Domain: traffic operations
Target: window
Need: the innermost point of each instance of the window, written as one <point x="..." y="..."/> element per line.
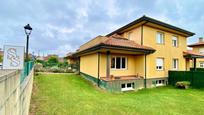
<point x="160" y="38"/>
<point x="129" y="35"/>
<point x="175" y="41"/>
<point x="113" y="63"/>
<point x="175" y="64"/>
<point x="127" y="86"/>
<point x="123" y="86"/>
<point x="159" y="63"/>
<point x="201" y="64"/>
<point x="201" y="50"/>
<point x="118" y="62"/>
<point x="159" y="82"/>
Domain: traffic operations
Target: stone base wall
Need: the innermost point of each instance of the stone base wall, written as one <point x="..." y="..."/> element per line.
<point x="115" y="86"/>
<point x="152" y="82"/>
<point x="15" y="96"/>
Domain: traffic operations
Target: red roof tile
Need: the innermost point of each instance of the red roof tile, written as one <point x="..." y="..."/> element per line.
<point x="196" y="44"/>
<point x="190" y="52"/>
<point x="114" y="40"/>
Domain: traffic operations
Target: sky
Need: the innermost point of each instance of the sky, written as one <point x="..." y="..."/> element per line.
<point x="61" y="26"/>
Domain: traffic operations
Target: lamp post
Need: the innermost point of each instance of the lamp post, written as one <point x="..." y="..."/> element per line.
<point x="28" y="30"/>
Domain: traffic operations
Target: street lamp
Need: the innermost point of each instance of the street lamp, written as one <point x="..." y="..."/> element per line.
<point x="28" y="30"/>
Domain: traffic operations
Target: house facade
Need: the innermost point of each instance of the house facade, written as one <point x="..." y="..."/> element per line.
<point x="198" y="48"/>
<point x="135" y="56"/>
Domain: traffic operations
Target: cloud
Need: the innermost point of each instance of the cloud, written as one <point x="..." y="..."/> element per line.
<point x="62" y="26"/>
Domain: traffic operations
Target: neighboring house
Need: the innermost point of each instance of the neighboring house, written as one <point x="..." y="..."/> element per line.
<point x="135" y="56"/>
<point x="1" y="53"/>
<point x="72" y="61"/>
<point x="70" y="58"/>
<point x="50" y="55"/>
<point x="39" y="57"/>
<point x="198" y="48"/>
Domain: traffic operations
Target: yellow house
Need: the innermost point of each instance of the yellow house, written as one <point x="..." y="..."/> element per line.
<point x="199" y="49"/>
<point x="137" y="55"/>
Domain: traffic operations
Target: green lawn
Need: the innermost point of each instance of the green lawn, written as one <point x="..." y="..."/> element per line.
<point x="68" y="94"/>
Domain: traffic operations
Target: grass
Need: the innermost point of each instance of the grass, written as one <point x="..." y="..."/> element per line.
<point x="69" y="94"/>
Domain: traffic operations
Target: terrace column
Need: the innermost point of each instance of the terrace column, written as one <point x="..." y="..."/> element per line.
<point x="194" y="64"/>
<point x="108" y="64"/>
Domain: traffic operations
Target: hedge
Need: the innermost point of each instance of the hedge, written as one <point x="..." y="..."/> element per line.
<point x="196" y="78"/>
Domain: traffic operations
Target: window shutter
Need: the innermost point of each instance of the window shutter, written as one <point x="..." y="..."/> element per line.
<point x="159" y="62"/>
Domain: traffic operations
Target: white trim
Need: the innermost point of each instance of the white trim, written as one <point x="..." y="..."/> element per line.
<point x="127" y="88"/>
<point x="160" y="84"/>
<point x="201" y="50"/>
<point x="120" y="63"/>
<point x="158" y="64"/>
<point x="160" y="38"/>
<point x="175" y="38"/>
<point x="177" y="64"/>
<point x="201" y="63"/>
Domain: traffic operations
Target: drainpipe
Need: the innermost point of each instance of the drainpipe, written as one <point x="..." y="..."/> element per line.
<point x="99" y="54"/>
<point x="145" y="80"/>
<point x="142" y="34"/>
<point x="108" y="64"/>
<point x="79" y="64"/>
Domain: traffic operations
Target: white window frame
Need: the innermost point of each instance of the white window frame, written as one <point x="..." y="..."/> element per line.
<point x="127" y="88"/>
<point x="175" y="40"/>
<point x="201" y="64"/>
<point x="160" y="84"/>
<point x="201" y="50"/>
<point x="177" y="64"/>
<point x="129" y="35"/>
<point x="160" y="38"/>
<point x="120" y="63"/>
<point x="157" y="64"/>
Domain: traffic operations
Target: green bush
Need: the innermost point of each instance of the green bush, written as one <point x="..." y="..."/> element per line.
<point x="55" y="69"/>
<point x="183" y="84"/>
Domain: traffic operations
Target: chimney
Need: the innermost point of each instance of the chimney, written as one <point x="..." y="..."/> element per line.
<point x="201" y="39"/>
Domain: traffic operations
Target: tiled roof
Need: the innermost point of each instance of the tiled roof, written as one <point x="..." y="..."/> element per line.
<point x="114" y="40"/>
<point x="196" y="44"/>
<point x="69" y="55"/>
<point x="190" y="52"/>
<point x="146" y="19"/>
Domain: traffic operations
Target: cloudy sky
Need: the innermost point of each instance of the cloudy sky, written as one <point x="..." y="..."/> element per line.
<point x="61" y="26"/>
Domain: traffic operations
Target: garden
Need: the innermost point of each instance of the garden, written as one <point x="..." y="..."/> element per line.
<point x="52" y="64"/>
<point x="69" y="94"/>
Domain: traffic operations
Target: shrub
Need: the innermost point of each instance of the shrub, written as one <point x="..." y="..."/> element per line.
<point x="183" y="84"/>
<point x="55" y="69"/>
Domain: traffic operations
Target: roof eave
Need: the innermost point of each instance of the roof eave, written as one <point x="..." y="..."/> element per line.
<point x="151" y="20"/>
<point x="105" y="46"/>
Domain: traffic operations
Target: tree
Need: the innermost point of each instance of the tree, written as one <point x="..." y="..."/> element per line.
<point x="1" y="58"/>
<point x="63" y="64"/>
<point x="52" y="61"/>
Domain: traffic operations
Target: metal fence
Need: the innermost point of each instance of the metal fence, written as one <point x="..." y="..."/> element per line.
<point x="196" y="69"/>
<point x="195" y="77"/>
<point x="26" y="70"/>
